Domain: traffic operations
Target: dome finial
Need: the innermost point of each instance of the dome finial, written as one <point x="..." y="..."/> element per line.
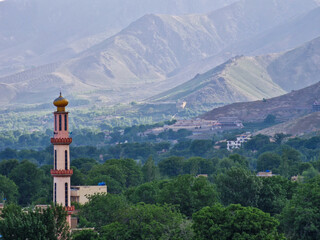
<point x="60" y="103"/>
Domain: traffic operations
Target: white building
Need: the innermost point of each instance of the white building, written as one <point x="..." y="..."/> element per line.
<point x="238" y="143"/>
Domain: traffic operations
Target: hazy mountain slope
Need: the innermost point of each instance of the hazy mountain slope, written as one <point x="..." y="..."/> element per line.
<point x="154" y="47"/>
<point x="297" y="68"/>
<point x="34" y="32"/>
<point x="288" y="106"/>
<point x="162" y="48"/>
<point x="251" y="78"/>
<point x="299" y="126"/>
<point x="286" y="36"/>
<point x="247" y="18"/>
<point x="239" y="79"/>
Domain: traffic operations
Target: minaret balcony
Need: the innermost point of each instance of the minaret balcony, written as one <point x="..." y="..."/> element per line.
<point x="61" y="141"/>
<point x="70" y="209"/>
<point x="61" y="172"/>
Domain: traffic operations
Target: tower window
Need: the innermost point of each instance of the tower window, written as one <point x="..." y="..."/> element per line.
<point x="55" y="193"/>
<point x="55" y="122"/>
<point x="66" y="159"/>
<point x="65" y="122"/>
<point x="66" y="194"/>
<point x="55" y="159"/>
<point x="60" y="123"/>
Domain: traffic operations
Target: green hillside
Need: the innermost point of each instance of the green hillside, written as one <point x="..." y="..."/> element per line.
<point x="239" y="79"/>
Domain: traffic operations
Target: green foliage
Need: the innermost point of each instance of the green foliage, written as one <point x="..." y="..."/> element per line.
<point x="171" y="166"/>
<point x="234" y="222"/>
<point x="198" y="165"/>
<point x="147" y="193"/>
<point x="31" y="181"/>
<point x="102" y="209"/>
<point x="8" y="190"/>
<point x="6" y="166"/>
<point x="310" y="173"/>
<point x="200" y="147"/>
<point x="84" y="164"/>
<point x="144" y="221"/>
<point x="268" y="161"/>
<point x="87" y="234"/>
<point x="257" y="142"/>
<point x="274" y="194"/>
<point x="290" y="159"/>
<point x="239" y="185"/>
<point x="189" y="193"/>
<point x="270" y="119"/>
<point x="38" y="224"/>
<point x="118" y="173"/>
<point x="149" y="170"/>
<point x="300" y="219"/>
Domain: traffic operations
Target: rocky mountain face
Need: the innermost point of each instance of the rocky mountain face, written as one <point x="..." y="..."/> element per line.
<point x="153" y="54"/>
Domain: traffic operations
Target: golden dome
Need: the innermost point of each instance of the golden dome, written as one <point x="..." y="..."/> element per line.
<point x="60" y="103"/>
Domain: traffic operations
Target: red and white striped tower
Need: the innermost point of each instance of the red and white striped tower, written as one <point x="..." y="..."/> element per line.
<point x="61" y="171"/>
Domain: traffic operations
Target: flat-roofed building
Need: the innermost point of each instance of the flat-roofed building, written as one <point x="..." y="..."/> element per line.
<point x="80" y="194"/>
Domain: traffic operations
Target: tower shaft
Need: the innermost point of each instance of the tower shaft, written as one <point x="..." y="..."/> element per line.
<point x="61" y="171"/>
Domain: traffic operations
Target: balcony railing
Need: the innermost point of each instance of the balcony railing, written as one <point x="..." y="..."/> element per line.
<point x="70" y="208"/>
<point x="61" y="172"/>
<point x="61" y="141"/>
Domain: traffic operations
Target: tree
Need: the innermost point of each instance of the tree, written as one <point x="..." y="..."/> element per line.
<point x="278" y="137"/>
<point x="268" y="161"/>
<point x="270" y="119"/>
<point x="274" y="194"/>
<point x="146" y="221"/>
<point x="102" y="209"/>
<point x="84" y="164"/>
<point x="189" y="193"/>
<point x="77" y="178"/>
<point x="118" y="173"/>
<point x="300" y="219"/>
<point x="87" y="234"/>
<point x="31" y="182"/>
<point x="171" y="166"/>
<point x="200" y="147"/>
<point x="239" y="185"/>
<point x="149" y="170"/>
<point x="198" y="165"/>
<point x="8" y="190"/>
<point x="234" y="222"/>
<point x="147" y="193"/>
<point x="257" y="142"/>
<point x="6" y="166"/>
<point x="290" y="159"/>
<point x="40" y="224"/>
<point x="310" y="173"/>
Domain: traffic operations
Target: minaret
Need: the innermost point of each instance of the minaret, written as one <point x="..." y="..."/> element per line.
<point x="61" y="171"/>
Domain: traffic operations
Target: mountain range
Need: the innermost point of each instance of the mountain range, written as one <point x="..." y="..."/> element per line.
<point x="157" y="52"/>
<point x="250" y="78"/>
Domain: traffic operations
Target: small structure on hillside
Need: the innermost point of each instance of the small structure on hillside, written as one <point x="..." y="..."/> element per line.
<point x="230" y="122"/>
<point x="238" y="143"/>
<point x="267" y="173"/>
<point x="316" y="106"/>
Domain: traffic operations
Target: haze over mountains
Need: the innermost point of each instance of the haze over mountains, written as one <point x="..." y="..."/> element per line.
<point x="36" y="32"/>
<point x="251" y="78"/>
<point x="157" y="52"/>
